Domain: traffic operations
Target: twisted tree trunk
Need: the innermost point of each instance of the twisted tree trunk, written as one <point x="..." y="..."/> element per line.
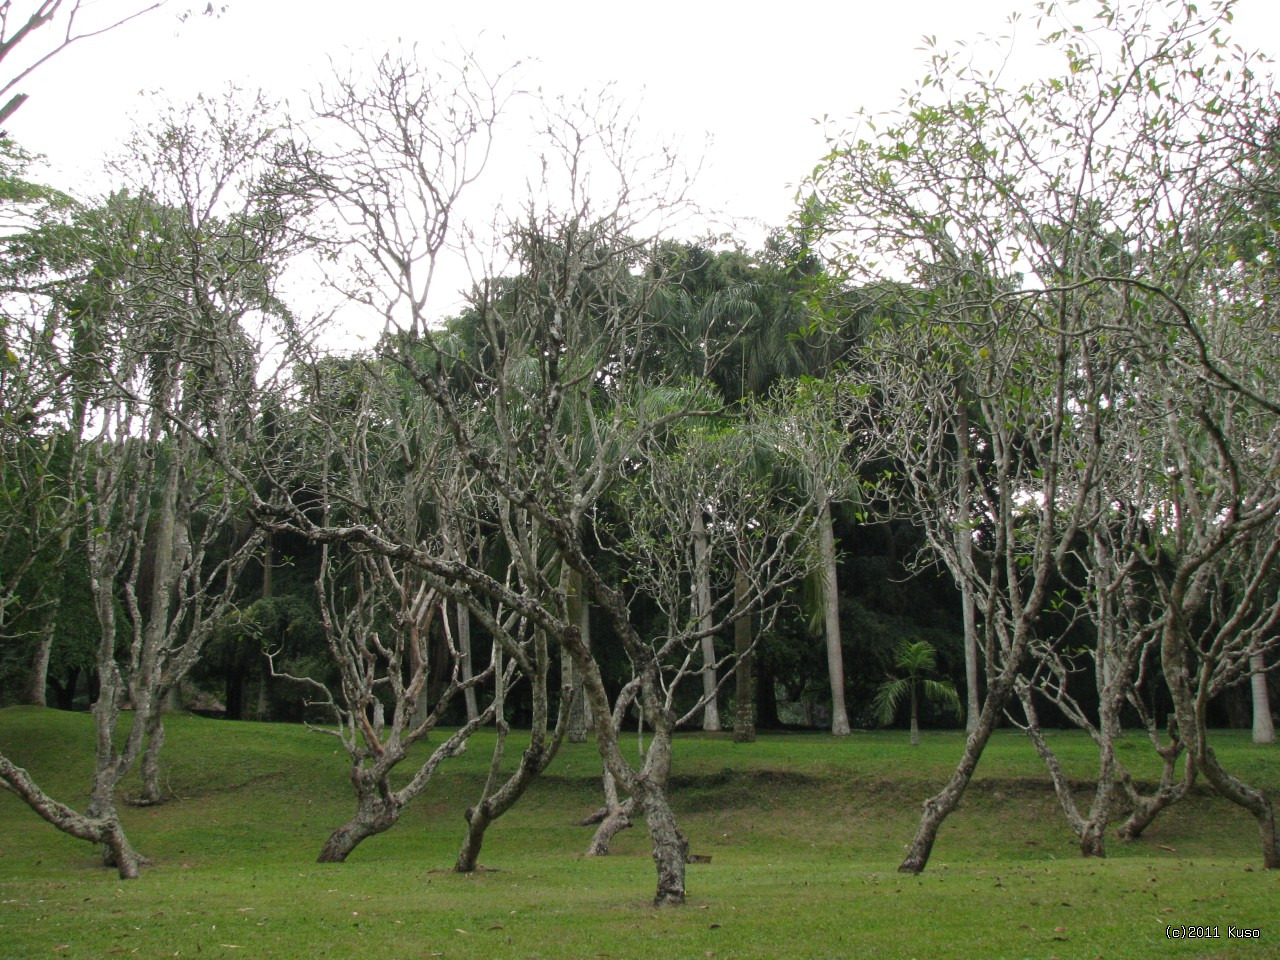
<point x="1190" y="710"/>
<point x="102" y="827"/>
<point x="377" y="811"/>
<point x="533" y="761"/>
<point x="938" y="807"/>
<point x="614" y="817"/>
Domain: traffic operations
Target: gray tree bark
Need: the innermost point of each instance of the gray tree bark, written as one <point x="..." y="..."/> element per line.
<point x="1090" y="829"/>
<point x="702" y="615"/>
<point x="963" y="534"/>
<point x="831" y="619"/>
<point x="938" y="807"/>
<point x="613" y="818"/>
<point x="37" y="685"/>
<point x="580" y="614"/>
<point x="1174" y="646"/>
<point x="1264" y="728"/>
<point x="104" y="829"/>
<point x="744" y="713"/>
<point x="544" y="743"/>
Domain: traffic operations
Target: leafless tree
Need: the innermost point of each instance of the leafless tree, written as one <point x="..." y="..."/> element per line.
<point x="544" y="387"/>
<point x="171" y="275"/>
<point x="33" y="33"/>
<point x="1059" y="237"/>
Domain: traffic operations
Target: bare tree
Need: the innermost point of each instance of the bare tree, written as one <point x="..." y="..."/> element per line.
<point x="550" y="398"/>
<point x="42" y="29"/>
<point x="155" y="517"/>
<point x="1059" y="236"/>
<point x="368" y="447"/>
<point x="166" y="279"/>
<point x="378" y="628"/>
<point x="1213" y="567"/>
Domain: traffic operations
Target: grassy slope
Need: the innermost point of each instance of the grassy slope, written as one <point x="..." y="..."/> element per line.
<point x="804" y="832"/>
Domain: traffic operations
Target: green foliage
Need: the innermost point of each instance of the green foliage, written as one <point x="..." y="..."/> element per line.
<point x="915" y="660"/>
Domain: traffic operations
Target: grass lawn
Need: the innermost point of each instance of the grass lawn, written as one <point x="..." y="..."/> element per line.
<point x="804" y="832"/>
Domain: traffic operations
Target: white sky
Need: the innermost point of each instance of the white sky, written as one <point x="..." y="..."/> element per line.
<point x="752" y="77"/>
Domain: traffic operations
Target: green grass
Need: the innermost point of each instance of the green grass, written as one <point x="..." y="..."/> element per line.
<point x="804" y="831"/>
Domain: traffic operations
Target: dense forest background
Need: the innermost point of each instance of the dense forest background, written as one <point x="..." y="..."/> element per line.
<point x="987" y="434"/>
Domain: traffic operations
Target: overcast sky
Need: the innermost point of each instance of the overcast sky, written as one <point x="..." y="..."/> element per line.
<point x="751" y="77"/>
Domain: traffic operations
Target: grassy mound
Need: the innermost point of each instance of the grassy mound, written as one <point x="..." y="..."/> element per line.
<point x="804" y="833"/>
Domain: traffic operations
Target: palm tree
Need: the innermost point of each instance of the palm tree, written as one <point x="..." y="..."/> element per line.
<point x="810" y="420"/>
<point x="915" y="659"/>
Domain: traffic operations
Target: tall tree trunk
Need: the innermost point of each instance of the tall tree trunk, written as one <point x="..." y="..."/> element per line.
<point x="1251" y="798"/>
<point x="670" y="848"/>
<point x="171" y="549"/>
<point x="648" y="787"/>
<point x="464" y="655"/>
<point x="831" y="616"/>
<point x="963" y="534"/>
<point x="37" y="685"/>
<point x="702" y="615"/>
<point x="532" y="762"/>
<point x="268" y="564"/>
<point x="262" y="713"/>
<point x="1264" y="729"/>
<point x="544" y="744"/>
<point x="972" y="702"/>
<point x="1090" y="830"/>
<point x="463" y="638"/>
<point x="744" y="714"/>
<point x="580" y="614"/>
